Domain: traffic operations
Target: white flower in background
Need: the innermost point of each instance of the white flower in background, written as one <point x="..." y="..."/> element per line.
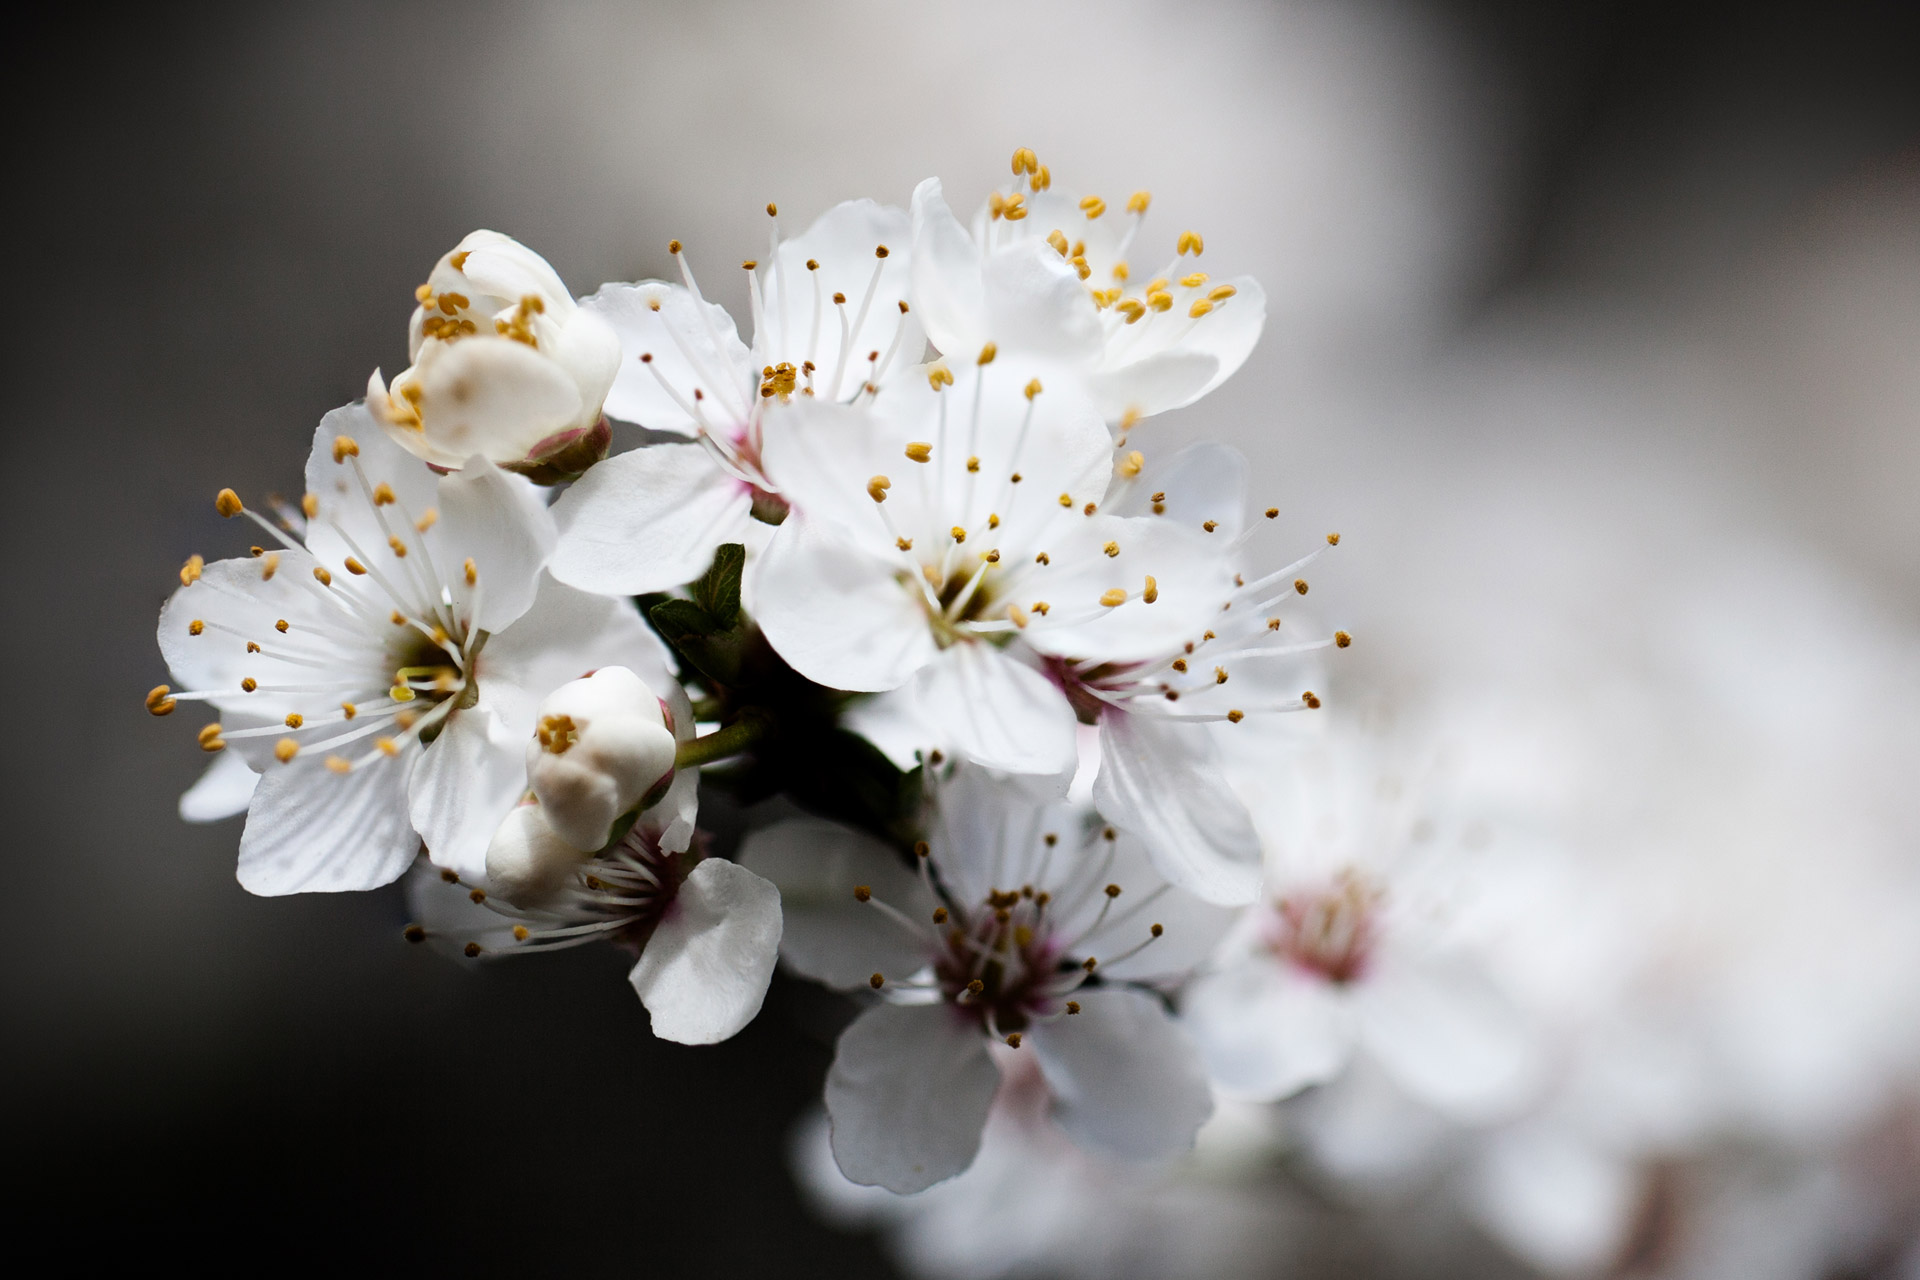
<point x="1365" y="944"/>
<point x="705" y="932"/>
<point x="1047" y="275"/>
<point x="381" y="673"/>
<point x="831" y="322"/>
<point x="1102" y="591"/>
<point x="504" y="365"/>
<point x="602" y="743"/>
<point x="1027" y="929"/>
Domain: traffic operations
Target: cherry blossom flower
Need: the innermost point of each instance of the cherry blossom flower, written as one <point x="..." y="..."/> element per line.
<point x="378" y="664"/>
<point x="504" y="365"/>
<point x="1028" y="928"/>
<point x="705" y="932"/>
<point x="1047" y="274"/>
<point x="831" y="322"/>
<point x="604" y="741"/>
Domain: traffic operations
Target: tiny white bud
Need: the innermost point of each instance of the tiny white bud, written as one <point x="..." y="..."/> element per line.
<point x="600" y="745"/>
<point x="527" y="859"/>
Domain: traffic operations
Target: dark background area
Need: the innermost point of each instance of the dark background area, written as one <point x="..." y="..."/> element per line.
<point x="216" y="218"/>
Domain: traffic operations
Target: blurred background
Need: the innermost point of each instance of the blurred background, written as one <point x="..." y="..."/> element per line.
<point x="1595" y="327"/>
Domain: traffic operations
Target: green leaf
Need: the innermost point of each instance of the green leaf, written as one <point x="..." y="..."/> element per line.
<point x="718" y="590"/>
<point x="713" y="649"/>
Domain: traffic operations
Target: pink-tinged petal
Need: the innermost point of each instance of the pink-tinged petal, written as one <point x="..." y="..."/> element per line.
<point x="499" y="523"/>
<point x="224" y="790"/>
<point x="1162" y="781"/>
<point x="310" y="830"/>
<point x="693" y="345"/>
<point x="1265" y="1033"/>
<point x="831" y="936"/>
<point x="706" y="968"/>
<point x="1125" y="1078"/>
<point x="949" y="288"/>
<point x="841" y="617"/>
<point x="1447" y="1035"/>
<point x="908" y="1096"/>
<point x="647" y="520"/>
<point x="997" y="712"/>
<point x="466" y="782"/>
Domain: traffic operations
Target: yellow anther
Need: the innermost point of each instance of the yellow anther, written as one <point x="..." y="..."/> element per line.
<point x="748" y="265"/>
<point x="310" y="505"/>
<point x="1131" y="308"/>
<point x="773" y="210"/>
<point x="862" y="893"/>
<point x="1024" y="161"/>
<point x="339" y="764"/>
<point x="992" y="557"/>
<point x="227" y="503"/>
<point x="1300" y="585"/>
<point x="348" y="710"/>
<point x="919" y="451"/>
<point x="1131" y="464"/>
<point x="1152" y="591"/>
<point x="1092" y="206"/>
<point x="881" y="251"/>
<point x="1333" y="539"/>
<point x="387" y="746"/>
<point x="993" y="520"/>
<point x="157" y="700"/>
<point x="1219" y="675"/>
<point x="987" y="353"/>
<point x="1342" y="639"/>
<point x="473" y="573"/>
<point x="973" y="463"/>
<point x="399" y="547"/>
<point x="269" y="565"/>
<point x="249" y="684"/>
<point x="252" y="647"/>
<point x="424" y="295"/>
<point x="285" y="750"/>
<point x="1209" y="525"/>
<point x="1015" y="209"/>
<point x="1013" y="1039"/>
<point x="195" y="627"/>
<point x="398" y="618"/>
<point x="190" y="571"/>
<point x="905" y="544"/>
<point x="345" y="447"/>
<point x="813" y="264"/>
<point x="428" y="519"/>
<point x="209" y="738"/>
<point x="1058" y="241"/>
<point x="1191" y="243"/>
<point x="521" y="933"/>
<point x="939" y="376"/>
<point x="877" y="981"/>
<point x="1041" y="180"/>
<point x="1193" y="281"/>
<point x="1272" y="512"/>
<point x="1160" y="300"/>
<point x="1221" y="292"/>
<point x="440" y="635"/>
<point x="1066" y="500"/>
<point x="1033" y="389"/>
<point x="959" y="534"/>
<point x="1180" y="665"/>
<point x="1311" y="699"/>
<point x="1090" y="508"/>
<point x="400" y="693"/>
<point x="877" y="488"/>
<point x="295" y="719"/>
<point x="1112" y="549"/>
<point x="939" y="915"/>
<point x="1017" y="616"/>
<point x="1138" y="202"/>
<point x="1113" y="597"/>
<point x="459" y="260"/>
<point x="1199" y="308"/>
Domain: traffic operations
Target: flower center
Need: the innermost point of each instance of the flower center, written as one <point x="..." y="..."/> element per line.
<point x="1330" y="932"/>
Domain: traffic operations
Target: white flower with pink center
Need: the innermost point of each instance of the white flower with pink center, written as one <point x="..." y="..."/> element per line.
<point x="1026" y="927"/>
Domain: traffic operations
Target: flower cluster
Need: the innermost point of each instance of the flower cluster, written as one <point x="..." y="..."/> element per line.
<point x="908" y="564"/>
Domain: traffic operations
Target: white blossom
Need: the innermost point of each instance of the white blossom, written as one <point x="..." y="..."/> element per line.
<point x="504" y="365"/>
<point x="602" y="743"/>
<point x="1027" y="928"/>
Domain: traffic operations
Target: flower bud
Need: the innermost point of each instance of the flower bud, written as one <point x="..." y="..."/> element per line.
<point x="527" y="860"/>
<point x="601" y="744"/>
<point x="505" y="365"/>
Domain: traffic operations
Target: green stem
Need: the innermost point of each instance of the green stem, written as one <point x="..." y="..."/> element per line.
<point x="724" y="743"/>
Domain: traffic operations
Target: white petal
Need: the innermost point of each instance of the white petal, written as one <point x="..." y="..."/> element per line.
<point x="499" y="522"/>
<point x="706" y="968"/>
<point x="348" y="523"/>
<point x="487" y="395"/>
<point x="892" y="722"/>
<point x="1125" y="1079"/>
<point x="1192" y="576"/>
<point x="1201" y="482"/>
<point x="694" y="345"/>
<point x="647" y="520"/>
<point x="225" y="789"/>
<point x="832" y="937"/>
<point x="1152" y="384"/>
<point x="502" y="267"/>
<point x="997" y="712"/>
<point x="842" y="242"/>
<point x="949" y="288"/>
<point x="566" y="634"/>
<point x="1266" y="1034"/>
<point x="908" y="1096"/>
<point x="310" y="830"/>
<point x="1037" y="303"/>
<point x="1554" y="1199"/>
<point x="1162" y="781"/>
<point x="466" y="783"/>
<point x="839" y="616"/>
<point x="1446" y="1035"/>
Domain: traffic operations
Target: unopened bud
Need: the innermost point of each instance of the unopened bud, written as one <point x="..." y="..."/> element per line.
<point x="528" y="860"/>
<point x="601" y="744"/>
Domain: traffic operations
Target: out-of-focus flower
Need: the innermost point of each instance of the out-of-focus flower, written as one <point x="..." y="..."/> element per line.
<point x="831" y="322"/>
<point x="1358" y="945"/>
<point x="1046" y="274"/>
<point x="379" y="668"/>
<point x="1028" y="929"/>
<point x="505" y="365"/>
<point x="601" y="744"/>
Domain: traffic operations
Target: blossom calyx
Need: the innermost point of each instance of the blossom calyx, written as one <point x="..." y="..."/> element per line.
<point x="601" y="746"/>
<point x="504" y="364"/>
